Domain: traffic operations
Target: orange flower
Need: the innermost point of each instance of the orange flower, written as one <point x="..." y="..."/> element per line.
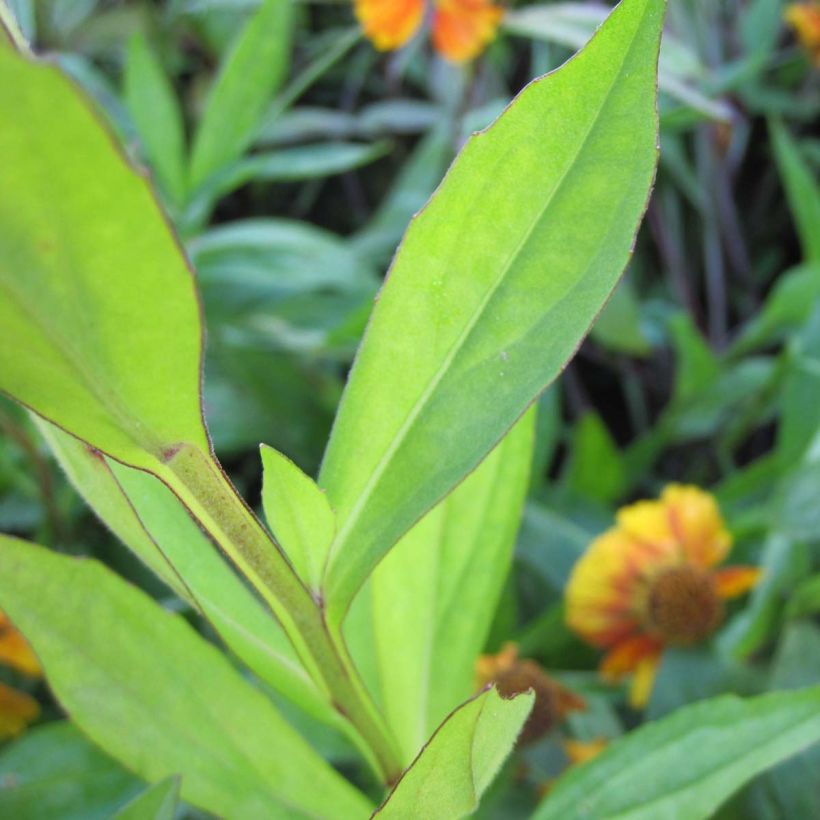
<point x="804" y="18"/>
<point x="461" y="29"/>
<point x="651" y="582"/>
<point x="513" y="675"/>
<point x="14" y="651"/>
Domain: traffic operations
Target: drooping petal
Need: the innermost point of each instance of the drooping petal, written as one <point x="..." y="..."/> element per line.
<point x="697" y="523"/>
<point x="389" y="24"/>
<point x="628" y="656"/>
<point x="463" y="28"/>
<point x="732" y="582"/>
<point x="17" y="710"/>
<point x="643" y="681"/>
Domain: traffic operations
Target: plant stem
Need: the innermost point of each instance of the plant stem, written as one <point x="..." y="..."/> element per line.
<point x="199" y="482"/>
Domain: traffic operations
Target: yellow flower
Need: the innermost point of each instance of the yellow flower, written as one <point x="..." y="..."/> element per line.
<point x="804" y="18"/>
<point x="513" y="675"/>
<point x="651" y="582"/>
<point x="461" y="29"/>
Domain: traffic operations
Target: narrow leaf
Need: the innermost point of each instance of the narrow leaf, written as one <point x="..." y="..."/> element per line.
<point x="802" y="190"/>
<point x="493" y="288"/>
<point x="298" y="513"/>
<point x="452" y="771"/>
<point x="251" y="73"/>
<point x="150" y="98"/>
<point x="687" y="764"/>
<point x="152" y="693"/>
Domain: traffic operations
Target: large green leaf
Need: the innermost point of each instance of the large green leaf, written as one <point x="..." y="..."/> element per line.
<point x="145" y="687"/>
<point x="429" y="605"/>
<point x="493" y="288"/>
<point x="104" y="317"/>
<point x="686" y="765"/>
<point x="251" y="73"/>
<point x="461" y="759"/>
<point x="54" y="771"/>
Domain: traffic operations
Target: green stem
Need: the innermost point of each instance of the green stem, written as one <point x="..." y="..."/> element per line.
<point x="200" y="484"/>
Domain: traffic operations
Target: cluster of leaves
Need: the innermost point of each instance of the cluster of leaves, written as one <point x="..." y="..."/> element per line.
<point x="289" y="158"/>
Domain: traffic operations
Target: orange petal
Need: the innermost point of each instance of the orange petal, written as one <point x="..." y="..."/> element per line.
<point x="698" y="526"/>
<point x="732" y="582"/>
<point x="643" y="681"/>
<point x="17" y="710"/>
<point x="628" y="655"/>
<point x="389" y="24"/>
<point x="463" y="28"/>
<point x="15" y="652"/>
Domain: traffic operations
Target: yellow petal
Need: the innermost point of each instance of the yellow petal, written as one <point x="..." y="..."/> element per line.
<point x="648" y="522"/>
<point x="643" y="682"/>
<point x="697" y="523"/>
<point x="389" y="24"/>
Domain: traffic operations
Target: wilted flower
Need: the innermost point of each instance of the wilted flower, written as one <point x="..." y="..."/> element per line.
<point x="460" y="29"/>
<point x="650" y="582"/>
<point x="804" y="18"/>
<point x="17" y="709"/>
<point x="513" y="675"/>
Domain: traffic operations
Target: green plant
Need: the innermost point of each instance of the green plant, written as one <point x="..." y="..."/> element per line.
<point x="365" y="614"/>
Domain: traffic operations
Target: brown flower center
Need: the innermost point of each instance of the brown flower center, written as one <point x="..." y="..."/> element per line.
<point x="683" y="606"/>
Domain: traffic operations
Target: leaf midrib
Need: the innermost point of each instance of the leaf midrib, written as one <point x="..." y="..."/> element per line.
<point x="439" y="375"/>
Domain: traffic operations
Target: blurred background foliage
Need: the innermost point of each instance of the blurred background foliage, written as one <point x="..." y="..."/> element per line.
<point x="703" y="368"/>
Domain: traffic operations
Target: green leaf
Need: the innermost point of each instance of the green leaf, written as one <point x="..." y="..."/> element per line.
<point x="595" y="467"/>
<point x="431" y="601"/>
<point x="802" y="190"/>
<point x="152" y="693"/>
<point x="53" y="771"/>
<point x="298" y="513"/>
<point x="158" y="802"/>
<point x="250" y="74"/>
<point x="490" y="294"/>
<point x="786" y="309"/>
<point x="105" y="318"/>
<point x="150" y="98"/>
<point x="460" y="760"/>
<point x="687" y="764"/>
<point x="618" y="328"/>
<point x="304" y="162"/>
<point x="149" y="520"/>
